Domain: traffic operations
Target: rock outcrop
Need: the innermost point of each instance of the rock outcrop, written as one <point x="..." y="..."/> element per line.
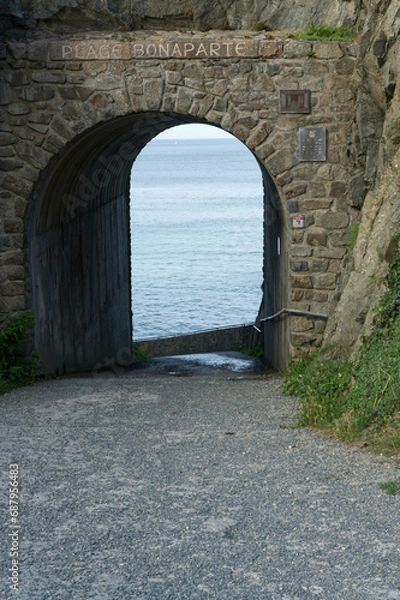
<point x="377" y="177"/>
<point x="70" y="15"/>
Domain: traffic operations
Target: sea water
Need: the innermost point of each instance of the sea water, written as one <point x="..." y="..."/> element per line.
<point x="196" y="235"/>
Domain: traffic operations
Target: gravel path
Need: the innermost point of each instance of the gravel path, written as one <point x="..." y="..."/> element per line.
<point x="189" y="485"/>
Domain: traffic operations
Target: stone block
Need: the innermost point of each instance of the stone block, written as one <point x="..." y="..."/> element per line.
<point x="16" y="303"/>
<point x="5" y="243"/>
<point x="17" y="78"/>
<point x="15" y="273"/>
<point x="336" y="253"/>
<point x="338" y="189"/>
<point x="53" y="143"/>
<point x="13" y="257"/>
<point x="297" y="237"/>
<point x="38" y="127"/>
<point x="48" y="77"/>
<point x="332" y="220"/>
<point x="184" y="101"/>
<point x="292" y="207"/>
<point x="301" y="251"/>
<point x="6" y="151"/>
<point x="296" y="295"/>
<point x="62" y="127"/>
<point x="339" y="239"/>
<point x="18" y="50"/>
<point x="173" y="77"/>
<point x="297" y="189"/>
<point x="38" y="51"/>
<point x="299" y="324"/>
<point x="282" y="160"/>
<point x="301" y="281"/>
<point x="320" y="265"/>
<point x="12" y="288"/>
<point x="317" y="189"/>
<point x="299" y="265"/>
<point x="16" y="108"/>
<point x="324" y="281"/>
<point x="327" y="50"/>
<point x="297" y="49"/>
<point x="345" y="66"/>
<point x="10" y="164"/>
<point x="259" y="134"/>
<point x="7" y="138"/>
<point x="75" y="93"/>
<point x="13" y="225"/>
<point x="36" y="93"/>
<point x="315" y="203"/>
<point x="33" y="155"/>
<point x="5" y="94"/>
<point x="316" y="296"/>
<point x="300" y="339"/>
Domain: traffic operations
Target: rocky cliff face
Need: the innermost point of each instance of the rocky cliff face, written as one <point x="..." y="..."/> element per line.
<point x="70" y="15"/>
<point x="376" y="182"/>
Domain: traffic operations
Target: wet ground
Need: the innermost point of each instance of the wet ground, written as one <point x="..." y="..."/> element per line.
<point x="219" y="363"/>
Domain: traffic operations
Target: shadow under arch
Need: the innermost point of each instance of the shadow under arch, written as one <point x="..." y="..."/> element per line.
<point x="78" y="240"/>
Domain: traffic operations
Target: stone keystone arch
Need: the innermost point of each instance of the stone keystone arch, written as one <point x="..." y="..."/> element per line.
<point x="81" y="111"/>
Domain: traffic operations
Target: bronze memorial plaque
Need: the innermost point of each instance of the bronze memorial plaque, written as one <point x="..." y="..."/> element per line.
<point x="295" y="101"/>
<point x="312" y="143"/>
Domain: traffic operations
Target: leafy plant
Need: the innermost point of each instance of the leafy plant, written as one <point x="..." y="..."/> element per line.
<point x="139" y="353"/>
<point x="15" y="369"/>
<point x="326" y="33"/>
<point x="391" y="487"/>
<point x="257" y="351"/>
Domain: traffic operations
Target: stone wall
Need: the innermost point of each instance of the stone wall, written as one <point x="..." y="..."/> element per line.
<point x="58" y="104"/>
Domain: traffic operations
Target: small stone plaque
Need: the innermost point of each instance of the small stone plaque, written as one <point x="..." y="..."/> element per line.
<point x="313" y="143"/>
<point x="295" y="101"/>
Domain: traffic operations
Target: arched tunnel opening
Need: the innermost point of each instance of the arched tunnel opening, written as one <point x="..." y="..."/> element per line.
<point x="78" y="238"/>
<point x="196" y="237"/>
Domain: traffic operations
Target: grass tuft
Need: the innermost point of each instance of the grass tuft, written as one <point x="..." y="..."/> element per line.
<point x="326" y="33"/>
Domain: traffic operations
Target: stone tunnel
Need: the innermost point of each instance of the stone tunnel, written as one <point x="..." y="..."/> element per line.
<point x="75" y="115"/>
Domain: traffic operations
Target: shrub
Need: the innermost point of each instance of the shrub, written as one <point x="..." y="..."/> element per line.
<point x="15" y="369"/>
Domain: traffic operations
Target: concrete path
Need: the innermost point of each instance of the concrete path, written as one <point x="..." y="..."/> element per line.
<point x="178" y="482"/>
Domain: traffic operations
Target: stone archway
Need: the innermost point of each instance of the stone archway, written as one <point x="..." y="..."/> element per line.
<point x="79" y="247"/>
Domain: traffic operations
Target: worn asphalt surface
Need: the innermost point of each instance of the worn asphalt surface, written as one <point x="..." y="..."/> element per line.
<point x="186" y="480"/>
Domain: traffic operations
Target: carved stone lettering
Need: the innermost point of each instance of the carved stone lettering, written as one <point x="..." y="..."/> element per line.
<point x="89" y="50"/>
<point x="145" y="50"/>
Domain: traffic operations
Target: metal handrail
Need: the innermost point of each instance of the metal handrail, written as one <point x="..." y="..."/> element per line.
<point x="294" y="311"/>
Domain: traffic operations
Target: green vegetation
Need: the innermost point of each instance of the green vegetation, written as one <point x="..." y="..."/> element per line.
<point x="259" y="26"/>
<point x="354" y="231"/>
<point x="15" y="369"/>
<point x="391" y="487"/>
<point x="256" y="352"/>
<point x="357" y="399"/>
<point x="326" y="33"/>
<point x="139" y="353"/>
